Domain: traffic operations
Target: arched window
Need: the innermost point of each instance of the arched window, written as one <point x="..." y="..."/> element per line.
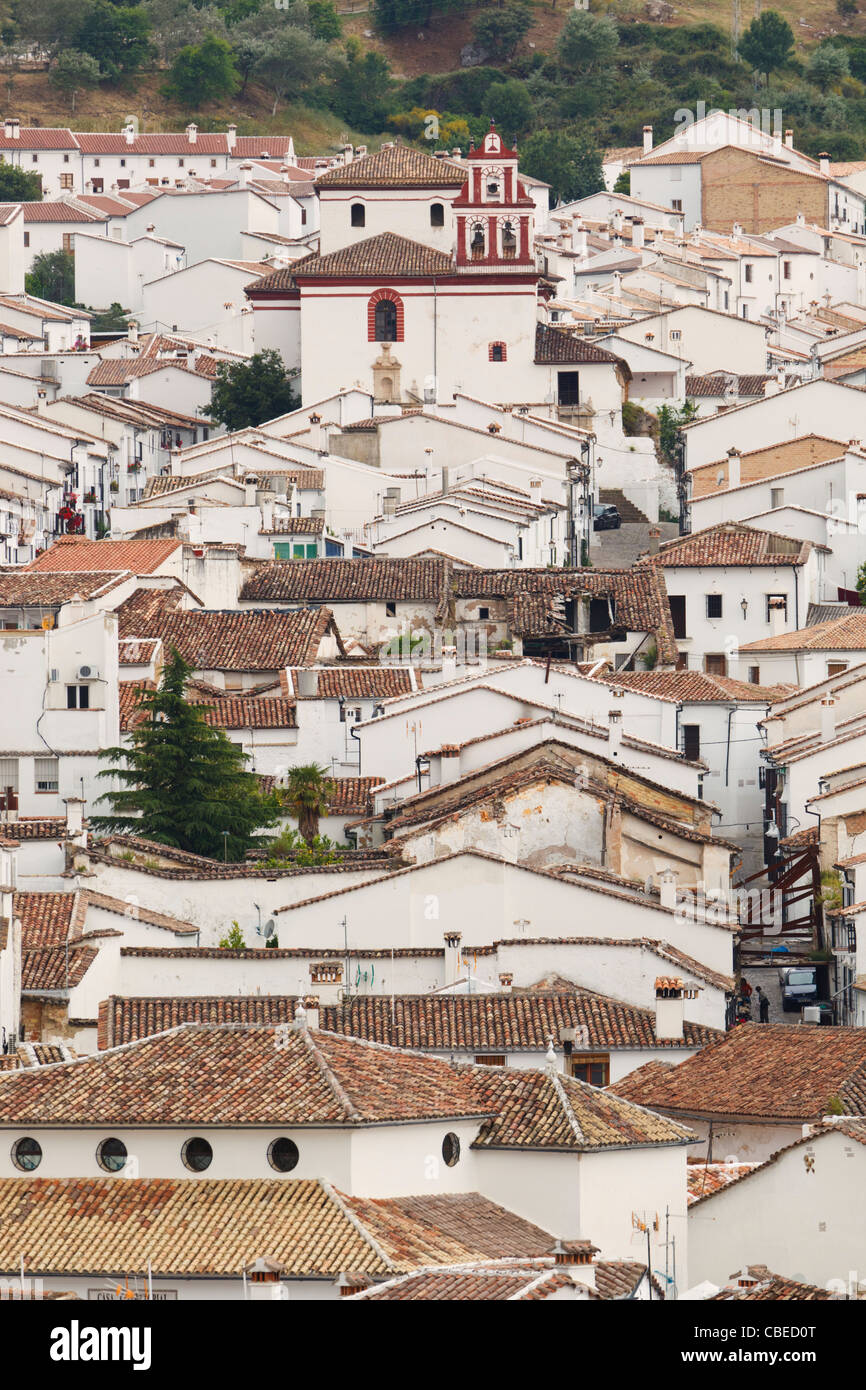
<point x="498" y="352"/>
<point x="437" y="215"/>
<point x="509" y="242"/>
<point x="386" y="321"/>
<point x="385" y="317"/>
<point x="359" y="215"/>
<point x="477" y="242"/>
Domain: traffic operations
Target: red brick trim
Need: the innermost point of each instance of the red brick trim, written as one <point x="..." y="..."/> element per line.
<point x="371" y="313"/>
<point x="490" y="351"/>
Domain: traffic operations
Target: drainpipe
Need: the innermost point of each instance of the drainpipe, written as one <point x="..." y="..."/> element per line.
<point x="731" y="712"/>
<point x="436" y="340"/>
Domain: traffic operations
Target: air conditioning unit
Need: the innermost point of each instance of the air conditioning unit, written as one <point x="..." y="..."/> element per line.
<point x="87" y="673"/>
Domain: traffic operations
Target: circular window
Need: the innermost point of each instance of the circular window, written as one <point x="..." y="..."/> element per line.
<point x="111" y="1155"/>
<point x="26" y="1154"/>
<point x="451" y="1149"/>
<point x="197" y="1154"/>
<point x="283" y="1155"/>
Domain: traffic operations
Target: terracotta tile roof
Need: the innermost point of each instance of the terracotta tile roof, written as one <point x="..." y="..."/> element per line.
<point x="840" y="634"/>
<point x="68" y="553"/>
<point x="222" y="712"/>
<point x="135" y="651"/>
<point x="39" y="138"/>
<point x="35" y="828"/>
<point x="47" y="918"/>
<point x="360" y="682"/>
<point x="349" y="581"/>
<point x="776" y="1288"/>
<point x="386" y="256"/>
<point x="24" y="589"/>
<point x="241" y="640"/>
<point x="351" y="795"/>
<point x="706" y="1178"/>
<point x="761" y="1071"/>
<point x="216" y="1227"/>
<point x="535" y="1110"/>
<point x="146" y="609"/>
<point x="255" y="146"/>
<point x="557" y="345"/>
<point x="56" y="212"/>
<point x="110" y="142"/>
<point x="295" y="526"/>
<point x="233" y="1074"/>
<point x="424" y="1022"/>
<point x="694" y="687"/>
<point x="401" y="166"/>
<point x="514" y="1279"/>
<point x="750" y="384"/>
<point x="55" y="967"/>
<point x="732" y="543"/>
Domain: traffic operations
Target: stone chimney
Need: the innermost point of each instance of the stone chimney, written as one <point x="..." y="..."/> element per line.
<point x="326" y="979"/>
<point x="670" y="993"/>
<point x="828" y="719"/>
<point x="824" y="163"/>
<point x="654" y="540"/>
<point x="647" y="138"/>
<point x="789" y="139"/>
<point x="637" y="233"/>
<point x="734" y="463"/>
<point x="668" y="888"/>
<point x="453" y="963"/>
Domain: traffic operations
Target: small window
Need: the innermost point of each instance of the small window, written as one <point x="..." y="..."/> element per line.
<point x="716" y="664"/>
<point x="359" y="215"/>
<point x="66" y="159"/>
<point x="676" y="335"/>
<point x="714" y="605"/>
<point x="151" y="164"/>
<point x="777" y="497"/>
<point x="26" y="1154"/>
<point x="677" y="605"/>
<point x="8" y="776"/>
<point x="835" y="668"/>
<point x="77" y="697"/>
<point x="754" y="675"/>
<point x="111" y="1155"/>
<point x="595" y="1070"/>
<point x="34" y="159"/>
<point x="67" y="181"/>
<point x="213" y="164"/>
<point x="26" y="238"/>
<point x="692" y="742"/>
<point x="180" y="164"/>
<point x="490" y="1059"/>
<point x="96" y="163"/>
<point x="677" y="204"/>
<point x="747" y="274"/>
<point x="498" y="352"/>
<point x="123" y="164"/>
<point x="437" y="215"/>
<point x="451" y="1149"/>
<point x="67" y="241"/>
<point x="390" y="610"/>
<point x="484" y="612"/>
<point x="786" y="270"/>
<point x="46" y="773"/>
<point x="777" y="601"/>
<point x="197" y="1155"/>
<point x="283" y="1155"/>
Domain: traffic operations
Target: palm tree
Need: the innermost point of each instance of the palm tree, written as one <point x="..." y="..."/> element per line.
<point x="308" y="792"/>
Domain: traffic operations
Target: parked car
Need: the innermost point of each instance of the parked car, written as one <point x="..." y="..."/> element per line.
<point x="799" y="986"/>
<point x="605" y="517"/>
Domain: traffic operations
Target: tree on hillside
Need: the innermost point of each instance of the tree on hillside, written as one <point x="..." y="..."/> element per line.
<point x="325" y="23"/>
<point x="306" y="796"/>
<point x="52" y="276"/>
<point x="390" y="15"/>
<point x="587" y="44"/>
<point x="51" y="25"/>
<point x="110" y="320"/>
<point x="248" y="51"/>
<point x="294" y="62"/>
<point x="246" y="393"/>
<point x="500" y="32"/>
<point x="362" y="87"/>
<point x="768" y="43"/>
<point x="827" y="65"/>
<point x="183" y="783"/>
<point x="117" y="36"/>
<point x="74" y="72"/>
<point x="569" y="163"/>
<point x="203" y="72"/>
<point x="19" y="186"/>
<point x="511" y="107"/>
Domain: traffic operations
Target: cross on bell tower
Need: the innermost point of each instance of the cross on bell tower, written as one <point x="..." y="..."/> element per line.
<point x="493" y="211"/>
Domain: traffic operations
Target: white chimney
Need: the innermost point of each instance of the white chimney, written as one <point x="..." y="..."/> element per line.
<point x="801" y="219"/>
<point x="129" y="134"/>
<point x="244" y="175"/>
<point x="771" y="386"/>
<point x="668" y="888"/>
<point x="578" y="237"/>
<point x="316" y="434"/>
<point x="308" y="683"/>
<point x="263" y="1281"/>
<point x="7" y="128"/>
<point x="734" y="462"/>
<point x="192" y="132"/>
<point x="231" y="137"/>
<point x="617" y="220"/>
<point x="449" y="764"/>
<point x="75" y="820"/>
<point x="506" y="982"/>
<point x="132" y="331"/>
<point x="737" y="231"/>
<point x="614" y="732"/>
<point x="647" y="138"/>
<point x="251" y="484"/>
<point x="789" y="139"/>
<point x="824" y="163"/>
<point x="452" y="957"/>
<point x="449" y="663"/>
<point x="311" y="1009"/>
<point x="16" y="129"/>
<point x="828" y="719"/>
<point x="669" y="1009"/>
<point x="637" y="233"/>
<point x="326" y="980"/>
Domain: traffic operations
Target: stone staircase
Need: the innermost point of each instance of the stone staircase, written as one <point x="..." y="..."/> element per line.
<point x="613" y="497"/>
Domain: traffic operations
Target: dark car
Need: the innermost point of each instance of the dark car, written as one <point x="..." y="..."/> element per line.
<point x="605" y="517"/>
<point x="799" y="986"/>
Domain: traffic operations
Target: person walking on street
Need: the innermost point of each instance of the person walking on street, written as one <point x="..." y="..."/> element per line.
<point x="763" y="1006"/>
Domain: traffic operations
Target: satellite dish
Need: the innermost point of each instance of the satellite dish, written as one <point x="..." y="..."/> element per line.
<point x="270" y="927"/>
